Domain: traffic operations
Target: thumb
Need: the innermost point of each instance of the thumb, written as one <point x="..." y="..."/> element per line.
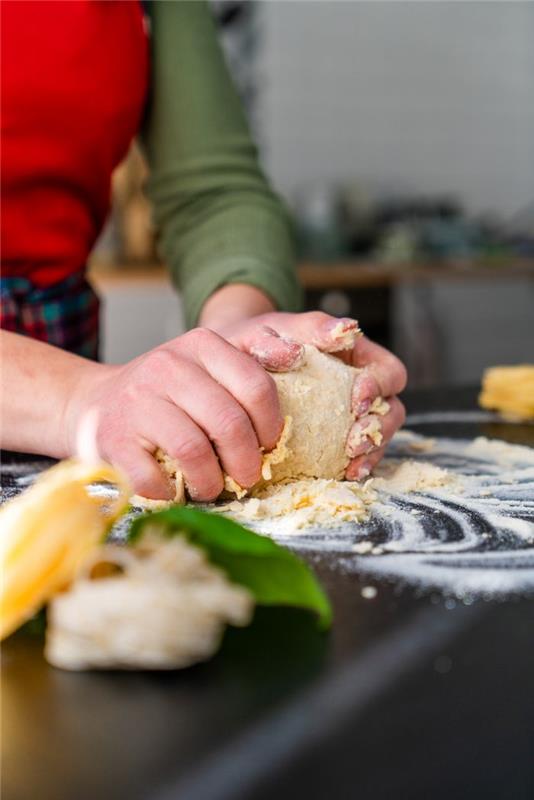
<point x="273" y="352"/>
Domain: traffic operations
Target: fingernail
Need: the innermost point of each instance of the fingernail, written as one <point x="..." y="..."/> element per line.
<point x="364" y="470"/>
<point x="296" y="351"/>
<point x="363" y="407"/>
<point x="279" y="358"/>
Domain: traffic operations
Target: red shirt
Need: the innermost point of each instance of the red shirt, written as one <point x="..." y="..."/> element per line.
<point x="74" y="82"/>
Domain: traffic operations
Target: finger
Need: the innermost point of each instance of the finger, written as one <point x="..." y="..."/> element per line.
<point x="373" y="431"/>
<point x="247" y="382"/>
<point x="273" y="352"/>
<point x="384" y="374"/>
<point x="145" y="474"/>
<point x="223" y="420"/>
<point x="327" y="333"/>
<point x="365" y="390"/>
<point x="360" y="468"/>
<point x="172" y="430"/>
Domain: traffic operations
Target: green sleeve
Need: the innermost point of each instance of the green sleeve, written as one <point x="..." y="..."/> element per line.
<point x="219" y="220"/>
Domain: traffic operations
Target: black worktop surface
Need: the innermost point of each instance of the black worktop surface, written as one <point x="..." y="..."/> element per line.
<point x="408" y="697"/>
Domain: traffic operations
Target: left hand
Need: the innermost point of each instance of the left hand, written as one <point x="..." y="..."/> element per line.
<point x="274" y="338"/>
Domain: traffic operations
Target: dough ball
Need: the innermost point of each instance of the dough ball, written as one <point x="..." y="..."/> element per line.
<point x="317" y="398"/>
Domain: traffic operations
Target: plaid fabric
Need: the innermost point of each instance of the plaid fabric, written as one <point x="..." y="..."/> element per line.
<point x="64" y="314"/>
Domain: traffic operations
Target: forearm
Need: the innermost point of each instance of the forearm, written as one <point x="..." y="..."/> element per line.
<point x="38" y="382"/>
<point x="220" y="222"/>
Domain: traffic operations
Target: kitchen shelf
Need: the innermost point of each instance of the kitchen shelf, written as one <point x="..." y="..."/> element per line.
<point x="335" y="275"/>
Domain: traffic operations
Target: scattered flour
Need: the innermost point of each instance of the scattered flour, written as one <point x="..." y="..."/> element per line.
<point x="450" y="514"/>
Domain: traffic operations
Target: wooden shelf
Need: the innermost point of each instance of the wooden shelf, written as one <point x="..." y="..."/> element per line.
<point x="336" y="275"/>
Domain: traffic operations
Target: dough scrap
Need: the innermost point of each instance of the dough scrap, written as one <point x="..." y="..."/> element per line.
<point x="379" y="406"/>
<point x="158" y="605"/>
<point x="509" y="390"/>
<point x="306" y="502"/>
<point x="323" y="503"/>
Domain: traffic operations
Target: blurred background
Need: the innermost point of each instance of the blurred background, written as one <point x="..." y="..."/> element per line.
<point x="401" y="134"/>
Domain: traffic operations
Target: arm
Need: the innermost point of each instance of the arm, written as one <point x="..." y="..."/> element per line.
<point x="220" y="221"/>
<point x="196" y="397"/>
<point x="37" y="383"/>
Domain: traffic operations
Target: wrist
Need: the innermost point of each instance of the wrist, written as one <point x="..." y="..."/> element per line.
<point x="233" y="303"/>
<point x="83" y="393"/>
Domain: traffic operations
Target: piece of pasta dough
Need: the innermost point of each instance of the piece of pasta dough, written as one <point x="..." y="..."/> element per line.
<point x="157" y="605"/>
<point x="509" y="390"/>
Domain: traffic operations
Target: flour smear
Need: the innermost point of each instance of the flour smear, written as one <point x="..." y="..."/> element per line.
<point x="472" y="537"/>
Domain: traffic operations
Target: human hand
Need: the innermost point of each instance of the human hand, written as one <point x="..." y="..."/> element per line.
<point x="199" y="399"/>
<point x="273" y="340"/>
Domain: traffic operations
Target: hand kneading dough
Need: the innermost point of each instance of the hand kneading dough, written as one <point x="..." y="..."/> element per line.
<point x="316" y="403"/>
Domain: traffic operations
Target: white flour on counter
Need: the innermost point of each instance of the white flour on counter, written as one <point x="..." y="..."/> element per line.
<point x="454" y="514"/>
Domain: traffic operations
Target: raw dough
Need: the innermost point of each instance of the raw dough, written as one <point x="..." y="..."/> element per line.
<point x="159" y="605"/>
<point x="306" y="502"/>
<point x="317" y="396"/>
<point x="509" y="390"/>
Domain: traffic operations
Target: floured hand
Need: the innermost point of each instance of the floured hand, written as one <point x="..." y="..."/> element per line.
<point x="273" y="339"/>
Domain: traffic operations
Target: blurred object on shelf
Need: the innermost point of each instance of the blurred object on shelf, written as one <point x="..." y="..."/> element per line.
<point x="398" y="244"/>
<point x="129" y="236"/>
<point x="320" y="227"/>
<point x="336" y="303"/>
<point x="135" y="230"/>
<point x="344" y="221"/>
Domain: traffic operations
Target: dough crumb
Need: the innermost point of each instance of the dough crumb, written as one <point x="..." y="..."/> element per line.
<point x="306" y="502"/>
<point x="379" y="406"/>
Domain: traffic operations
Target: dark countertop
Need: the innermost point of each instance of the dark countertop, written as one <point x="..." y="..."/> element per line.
<point x="409" y="696"/>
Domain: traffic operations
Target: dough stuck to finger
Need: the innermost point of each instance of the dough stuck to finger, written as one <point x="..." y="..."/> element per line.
<point x="316" y="402"/>
<point x="174" y="473"/>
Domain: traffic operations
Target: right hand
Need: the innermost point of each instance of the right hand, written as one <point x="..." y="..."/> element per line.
<point x="198" y="398"/>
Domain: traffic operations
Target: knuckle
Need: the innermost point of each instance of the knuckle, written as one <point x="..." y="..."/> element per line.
<point x="261" y="390"/>
<point x="155" y="363"/>
<point x="231" y="425"/>
<point x="190" y="450"/>
<point x="209" y="489"/>
<point x="200" y="338"/>
<point x="316" y="316"/>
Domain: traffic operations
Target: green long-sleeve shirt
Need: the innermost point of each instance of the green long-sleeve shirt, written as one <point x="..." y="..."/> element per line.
<point x="219" y="220"/>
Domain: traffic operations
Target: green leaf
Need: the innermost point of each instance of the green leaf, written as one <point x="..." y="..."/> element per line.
<point x="274" y="575"/>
